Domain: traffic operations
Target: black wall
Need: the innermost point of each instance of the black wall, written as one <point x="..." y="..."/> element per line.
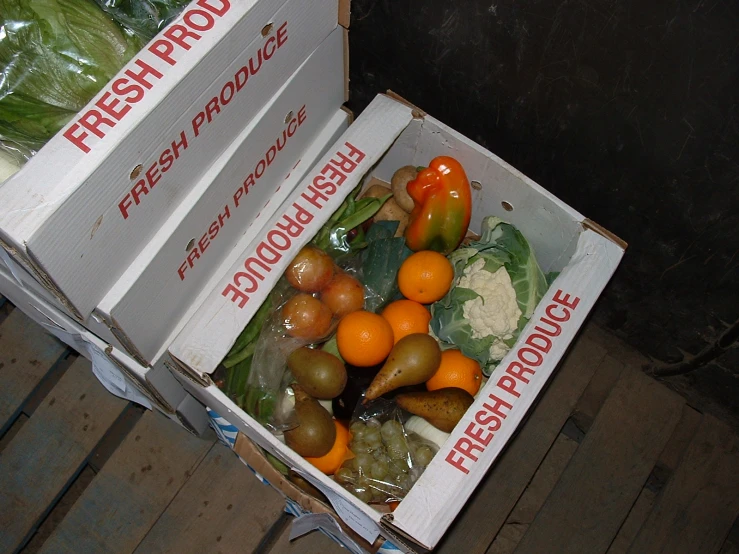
<point x="625" y="109"/>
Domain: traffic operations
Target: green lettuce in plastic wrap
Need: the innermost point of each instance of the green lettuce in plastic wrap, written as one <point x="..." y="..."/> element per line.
<point x="497" y="285"/>
<point x="56" y="55"/>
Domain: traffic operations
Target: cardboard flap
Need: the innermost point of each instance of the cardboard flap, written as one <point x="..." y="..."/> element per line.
<point x="211" y="332"/>
<point x="430" y="506"/>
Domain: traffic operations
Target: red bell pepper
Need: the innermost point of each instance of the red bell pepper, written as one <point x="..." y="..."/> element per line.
<point x="443" y="206"/>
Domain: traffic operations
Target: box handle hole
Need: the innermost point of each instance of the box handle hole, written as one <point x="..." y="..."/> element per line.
<point x="288" y="117"/>
<point x="267" y="29"/>
<point x="507" y="206"/>
<point x="136" y="171"/>
<point x="190" y="245"/>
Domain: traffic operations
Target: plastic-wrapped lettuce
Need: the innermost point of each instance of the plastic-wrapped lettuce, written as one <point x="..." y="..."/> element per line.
<point x="55" y="55"/>
<point x="497" y="285"/>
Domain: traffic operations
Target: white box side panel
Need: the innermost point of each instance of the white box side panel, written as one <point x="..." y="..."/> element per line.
<point x="166" y="277"/>
<point x="207" y="337"/>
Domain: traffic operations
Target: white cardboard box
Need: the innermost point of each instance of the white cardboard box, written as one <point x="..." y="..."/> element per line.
<point x="232" y="201"/>
<point x="387" y="135"/>
<point x="77" y="214"/>
<point x="149" y="387"/>
<point x="25" y="280"/>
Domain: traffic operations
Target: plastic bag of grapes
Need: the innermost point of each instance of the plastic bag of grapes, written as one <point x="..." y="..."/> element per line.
<point x="388" y="459"/>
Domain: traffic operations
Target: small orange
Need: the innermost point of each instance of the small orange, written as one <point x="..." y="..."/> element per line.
<point x="425" y="276"/>
<point x="339" y="453"/>
<point x="456" y="370"/>
<point x="364" y="339"/>
<point x="407" y="317"/>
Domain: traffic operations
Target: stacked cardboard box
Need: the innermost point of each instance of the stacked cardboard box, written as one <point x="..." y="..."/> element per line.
<point x="115" y="228"/>
<point x="131" y="236"/>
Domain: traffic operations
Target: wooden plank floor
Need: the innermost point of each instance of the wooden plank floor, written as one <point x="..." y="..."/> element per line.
<point x="608" y="461"/>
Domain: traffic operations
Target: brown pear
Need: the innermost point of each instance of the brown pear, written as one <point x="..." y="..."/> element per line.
<point x="319" y="373"/>
<point x="413" y="360"/>
<point x="316" y="433"/>
<point x="442" y="408"/>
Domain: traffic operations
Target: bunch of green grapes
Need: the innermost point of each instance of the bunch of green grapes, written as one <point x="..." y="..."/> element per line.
<point x="387" y="461"/>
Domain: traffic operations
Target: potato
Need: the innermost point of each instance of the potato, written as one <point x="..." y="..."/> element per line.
<point x="399" y="182"/>
<point x="376" y="191"/>
<point x="390" y="211"/>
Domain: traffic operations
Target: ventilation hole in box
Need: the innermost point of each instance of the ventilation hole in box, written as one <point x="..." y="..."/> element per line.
<point x="136" y="171"/>
<point x="190" y="245"/>
<point x="288" y="117"/>
<point x="477" y="185"/>
<point x="507" y="206"/>
<point x="267" y="29"/>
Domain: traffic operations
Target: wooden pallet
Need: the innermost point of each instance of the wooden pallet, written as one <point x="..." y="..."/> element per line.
<point x="609" y="461"/>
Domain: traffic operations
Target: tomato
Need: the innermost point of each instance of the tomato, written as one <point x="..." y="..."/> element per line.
<point x="311" y="270"/>
<point x="306" y="317"/>
<point x="343" y="295"/>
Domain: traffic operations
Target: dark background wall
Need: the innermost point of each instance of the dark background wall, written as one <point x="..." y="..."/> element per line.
<point x="625" y="109"/>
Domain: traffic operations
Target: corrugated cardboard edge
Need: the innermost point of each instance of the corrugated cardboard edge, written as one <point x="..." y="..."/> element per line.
<point x="400" y="537"/>
<point x="150" y="393"/>
<point x="177" y="366"/>
<point x="345" y="13"/>
<point x="593" y="226"/>
<point x="417" y="112"/>
<point x="253" y="456"/>
<point x="126" y="343"/>
<point x="348" y="112"/>
<point x="35" y="269"/>
<point x="346" y="65"/>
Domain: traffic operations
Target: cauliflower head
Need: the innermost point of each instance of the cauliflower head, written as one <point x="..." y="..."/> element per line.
<point x="495" y="312"/>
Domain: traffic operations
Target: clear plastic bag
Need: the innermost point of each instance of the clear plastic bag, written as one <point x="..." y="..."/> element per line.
<point x="269" y="379"/>
<point x="55" y="55"/>
<point x="144" y="17"/>
<point x="388" y="459"/>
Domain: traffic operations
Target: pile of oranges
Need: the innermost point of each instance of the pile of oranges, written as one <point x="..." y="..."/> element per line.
<point x="365" y="339"/>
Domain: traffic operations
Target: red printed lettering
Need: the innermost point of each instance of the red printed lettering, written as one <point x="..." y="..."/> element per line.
<point x="478" y="434"/>
<point x="78" y="139"/>
<point x="466" y="447"/>
<point x="224" y="216"/>
<point x="315" y="197"/>
<point x="508" y="384"/>
<point x="554" y="329"/>
<point x="131" y="92"/>
<point x="550" y="312"/>
<point x="179" y="35"/>
<point x="199" y="20"/>
<point x="457" y="461"/>
<point x="236" y="296"/>
<point x="93" y="119"/>
<point x="152" y="175"/>
<point x="279" y="240"/>
<point x="145" y="71"/>
<point x="540" y="342"/>
<point x="269" y="47"/>
<point x="109" y="106"/>
<point x="521" y="373"/>
<point x="215" y="6"/>
<point x="565" y="300"/>
<point x="291" y="227"/>
<point x="253" y="285"/>
<point x="282" y="34"/>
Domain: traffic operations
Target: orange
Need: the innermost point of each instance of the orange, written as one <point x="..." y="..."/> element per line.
<point x="425" y="276"/>
<point x="456" y="370"/>
<point x="364" y="339"/>
<point x="407" y="317"/>
<point x="339" y="453"/>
